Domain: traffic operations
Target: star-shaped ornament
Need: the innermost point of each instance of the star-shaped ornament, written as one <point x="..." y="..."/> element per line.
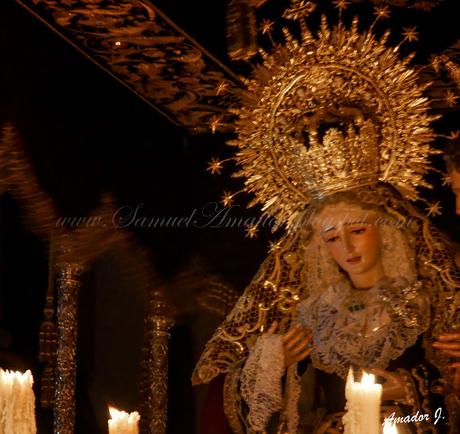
<point x="274" y="246"/>
<point x="214" y="124"/>
<point x="434" y="209"/>
<point x="451" y="98"/>
<point x="341" y="4"/>
<point x="222" y="87"/>
<point x="446" y="180"/>
<point x="252" y="231"/>
<point x="266" y="26"/>
<point x="215" y="166"/>
<point x="454" y="135"/>
<point x="227" y="199"/>
<point x="382" y="12"/>
<point x="410" y="34"/>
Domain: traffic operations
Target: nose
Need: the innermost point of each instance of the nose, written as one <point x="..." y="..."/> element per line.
<point x="347" y="242"/>
<point x="457" y="203"/>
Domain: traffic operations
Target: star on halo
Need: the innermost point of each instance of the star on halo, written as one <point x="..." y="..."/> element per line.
<point x="252" y="231"/>
<point x="451" y="98"/>
<point x="266" y="26"/>
<point x="215" y="166"/>
<point x="453" y="135"/>
<point x="382" y="12"/>
<point x="214" y="124"/>
<point x="227" y="199"/>
<point x="222" y="87"/>
<point x="410" y="33"/>
<point x="446" y="179"/>
<point x="341" y="4"/>
<point x="434" y="209"/>
<point x="273" y="246"/>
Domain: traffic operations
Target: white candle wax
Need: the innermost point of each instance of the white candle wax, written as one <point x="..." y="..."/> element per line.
<point x="363" y="405"/>
<point x="17" y="403"/>
<point x="123" y="423"/>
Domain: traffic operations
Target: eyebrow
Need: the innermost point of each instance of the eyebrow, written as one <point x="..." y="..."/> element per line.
<point x="357" y="222"/>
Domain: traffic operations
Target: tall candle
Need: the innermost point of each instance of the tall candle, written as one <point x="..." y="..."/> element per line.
<point x="17" y="403"/>
<point x="363" y="405"/>
<point x="123" y="423"/>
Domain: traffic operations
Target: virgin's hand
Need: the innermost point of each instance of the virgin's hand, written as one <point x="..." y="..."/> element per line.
<point x="449" y="344"/>
<point x="296" y="343"/>
<point x="394" y="388"/>
<point x="454" y="371"/>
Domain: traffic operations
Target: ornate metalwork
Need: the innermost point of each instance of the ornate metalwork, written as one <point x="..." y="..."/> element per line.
<point x="424" y="5"/>
<point x="68" y="289"/>
<point x="290" y="150"/>
<point x="155" y="384"/>
<point x="142" y="48"/>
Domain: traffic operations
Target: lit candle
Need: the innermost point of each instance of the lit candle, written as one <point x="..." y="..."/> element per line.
<point x="389" y="428"/>
<point x="363" y="405"/>
<point x="17" y="403"/>
<point x="123" y="423"/>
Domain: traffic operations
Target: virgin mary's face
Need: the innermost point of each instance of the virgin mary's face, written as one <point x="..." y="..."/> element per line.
<point x="353" y="239"/>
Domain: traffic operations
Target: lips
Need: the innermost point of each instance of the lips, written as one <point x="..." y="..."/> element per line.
<point x="354" y="260"/>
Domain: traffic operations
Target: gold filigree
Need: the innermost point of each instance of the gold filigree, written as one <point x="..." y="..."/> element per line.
<point x="299" y="9"/>
<point x="136" y="43"/>
<point x="423" y="5"/>
<point x="301" y="134"/>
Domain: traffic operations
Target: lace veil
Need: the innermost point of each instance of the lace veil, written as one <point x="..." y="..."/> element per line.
<point x="298" y="267"/>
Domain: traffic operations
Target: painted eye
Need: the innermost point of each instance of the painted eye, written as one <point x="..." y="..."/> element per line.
<point x="358" y="231"/>
<point x="332" y="239"/>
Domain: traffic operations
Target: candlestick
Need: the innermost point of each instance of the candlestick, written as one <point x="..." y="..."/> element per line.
<point x="17" y="403"/>
<point x="66" y="356"/>
<point x="363" y="405"/>
<point x="123" y="423"/>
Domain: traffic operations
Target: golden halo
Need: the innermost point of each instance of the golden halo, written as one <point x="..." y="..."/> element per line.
<point x="317" y="111"/>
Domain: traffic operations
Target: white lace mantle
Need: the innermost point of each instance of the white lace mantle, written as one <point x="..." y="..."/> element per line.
<point x="262" y="385"/>
<point x="395" y="314"/>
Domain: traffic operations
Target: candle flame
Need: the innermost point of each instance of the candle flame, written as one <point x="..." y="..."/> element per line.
<point x="389" y="428"/>
<point x="10" y="377"/>
<point x="368" y="379"/>
<point x="117" y="415"/>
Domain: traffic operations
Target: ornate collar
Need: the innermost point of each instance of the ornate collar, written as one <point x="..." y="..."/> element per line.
<point x="389" y="318"/>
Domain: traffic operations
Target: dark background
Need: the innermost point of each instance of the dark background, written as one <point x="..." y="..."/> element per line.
<point x="85" y="135"/>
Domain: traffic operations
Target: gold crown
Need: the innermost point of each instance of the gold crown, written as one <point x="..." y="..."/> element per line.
<point x="327" y="113"/>
<point x="343" y="160"/>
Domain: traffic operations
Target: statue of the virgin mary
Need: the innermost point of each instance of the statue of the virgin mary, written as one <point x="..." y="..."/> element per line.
<point x="334" y="139"/>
